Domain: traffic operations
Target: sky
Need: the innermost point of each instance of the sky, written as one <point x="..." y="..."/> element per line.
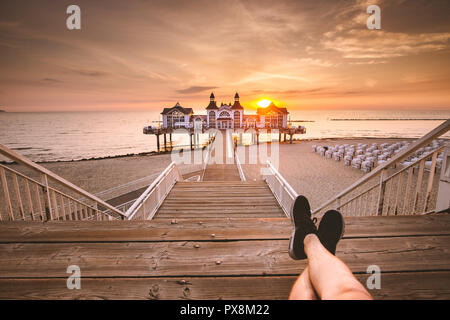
<point x="146" y="55"/>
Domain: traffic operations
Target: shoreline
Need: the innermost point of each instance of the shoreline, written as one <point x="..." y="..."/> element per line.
<point x="156" y="153"/>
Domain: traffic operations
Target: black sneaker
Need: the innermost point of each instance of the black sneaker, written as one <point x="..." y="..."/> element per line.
<point x="303" y="225"/>
<point x="331" y="230"/>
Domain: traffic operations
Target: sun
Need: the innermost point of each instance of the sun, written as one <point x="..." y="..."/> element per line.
<point x="264" y="103"/>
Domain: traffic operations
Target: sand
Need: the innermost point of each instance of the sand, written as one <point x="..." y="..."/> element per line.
<point x="312" y="175"/>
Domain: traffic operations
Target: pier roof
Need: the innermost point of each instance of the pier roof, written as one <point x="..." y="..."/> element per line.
<point x="179" y="108"/>
<point x="271" y="107"/>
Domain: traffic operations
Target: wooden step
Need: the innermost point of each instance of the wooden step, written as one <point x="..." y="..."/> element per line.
<point x="219" y="199"/>
<point x="202" y="229"/>
<point x="214" y="258"/>
<point x="186" y="258"/>
<point x="395" y="286"/>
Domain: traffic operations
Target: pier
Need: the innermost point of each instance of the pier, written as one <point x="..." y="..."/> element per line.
<point x="284" y="134"/>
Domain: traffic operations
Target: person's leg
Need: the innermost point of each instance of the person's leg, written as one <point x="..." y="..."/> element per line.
<point x="330" y="277"/>
<point x="302" y="288"/>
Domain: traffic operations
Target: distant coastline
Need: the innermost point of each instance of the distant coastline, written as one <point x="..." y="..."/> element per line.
<point x="2" y="110"/>
<point x="388" y="119"/>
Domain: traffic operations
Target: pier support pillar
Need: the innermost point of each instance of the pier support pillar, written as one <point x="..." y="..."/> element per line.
<point x="190" y="135"/>
<point x="157" y="142"/>
<point x="257" y="138"/>
<point x="165" y="142"/>
<point x="284" y="137"/>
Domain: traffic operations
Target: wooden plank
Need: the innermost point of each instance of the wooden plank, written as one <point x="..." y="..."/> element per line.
<point x="47" y="201"/>
<point x="18" y="196"/>
<point x="62" y="205"/>
<point x="418" y="186"/>
<point x="54" y="204"/>
<point x="6" y="193"/>
<point x="430" y="182"/>
<point x="420" y="285"/>
<point x="408" y="187"/>
<point x="39" y="203"/>
<point x="397" y="194"/>
<point x="417" y="285"/>
<point x="381" y="193"/>
<point x="76" y="214"/>
<point x="202" y="229"/>
<point x="229" y="201"/>
<point x="229" y="214"/>
<point x="29" y="200"/>
<point x="245" y="209"/>
<point x="192" y="258"/>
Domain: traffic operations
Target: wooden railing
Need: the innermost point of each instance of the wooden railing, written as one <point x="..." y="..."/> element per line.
<point x="145" y="207"/>
<point x="280" y="188"/>
<point x="238" y="164"/>
<point x="207" y="156"/>
<point x="394" y="188"/>
<point x="38" y="200"/>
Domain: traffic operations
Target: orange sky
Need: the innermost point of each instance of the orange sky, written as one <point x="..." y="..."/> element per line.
<point x="140" y="54"/>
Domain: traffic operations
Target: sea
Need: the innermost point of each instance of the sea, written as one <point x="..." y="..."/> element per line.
<point x="66" y="136"/>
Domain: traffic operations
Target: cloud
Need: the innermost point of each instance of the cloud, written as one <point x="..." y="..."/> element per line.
<point x="366" y="44"/>
<point x="90" y="73"/>
<point x="195" y="89"/>
<point x="51" y="80"/>
<point x="316" y="62"/>
<point x="354" y="41"/>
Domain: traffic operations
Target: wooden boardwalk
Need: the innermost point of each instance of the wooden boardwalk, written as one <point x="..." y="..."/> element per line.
<point x="213" y="258"/>
<point x="223" y="153"/>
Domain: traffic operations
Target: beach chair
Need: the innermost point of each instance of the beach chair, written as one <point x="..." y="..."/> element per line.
<point x="348" y="160"/>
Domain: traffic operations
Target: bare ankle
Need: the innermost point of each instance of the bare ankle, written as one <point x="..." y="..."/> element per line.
<point x="310" y="238"/>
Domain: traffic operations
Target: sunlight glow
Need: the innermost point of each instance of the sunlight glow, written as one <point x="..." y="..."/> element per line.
<point x="264" y="103"/>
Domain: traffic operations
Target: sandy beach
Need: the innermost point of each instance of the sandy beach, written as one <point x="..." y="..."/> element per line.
<point x="308" y="173"/>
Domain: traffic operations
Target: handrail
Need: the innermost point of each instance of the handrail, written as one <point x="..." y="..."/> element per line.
<point x="283" y="188"/>
<point x="126" y="187"/>
<point x="238" y="164"/>
<point x="413" y="164"/>
<point x="30" y="164"/>
<point x="208" y="154"/>
<point x="438" y="131"/>
<point x="141" y="201"/>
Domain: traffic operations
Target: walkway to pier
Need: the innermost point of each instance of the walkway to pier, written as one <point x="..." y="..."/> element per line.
<point x="213" y="258"/>
<point x="223" y="152"/>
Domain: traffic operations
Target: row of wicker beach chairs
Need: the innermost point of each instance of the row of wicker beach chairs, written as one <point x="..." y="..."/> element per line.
<point x="366" y="157"/>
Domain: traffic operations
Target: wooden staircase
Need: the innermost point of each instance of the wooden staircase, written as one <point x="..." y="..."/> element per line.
<point x="220" y="199"/>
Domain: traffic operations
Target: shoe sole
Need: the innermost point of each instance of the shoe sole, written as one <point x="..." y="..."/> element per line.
<point x="302" y="202"/>
<point x="291" y="247"/>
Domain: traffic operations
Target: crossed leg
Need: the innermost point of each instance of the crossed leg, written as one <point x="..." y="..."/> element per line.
<point x="326" y="276"/>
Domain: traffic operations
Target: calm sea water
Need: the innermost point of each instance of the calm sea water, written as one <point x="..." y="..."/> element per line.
<point x="81" y="135"/>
